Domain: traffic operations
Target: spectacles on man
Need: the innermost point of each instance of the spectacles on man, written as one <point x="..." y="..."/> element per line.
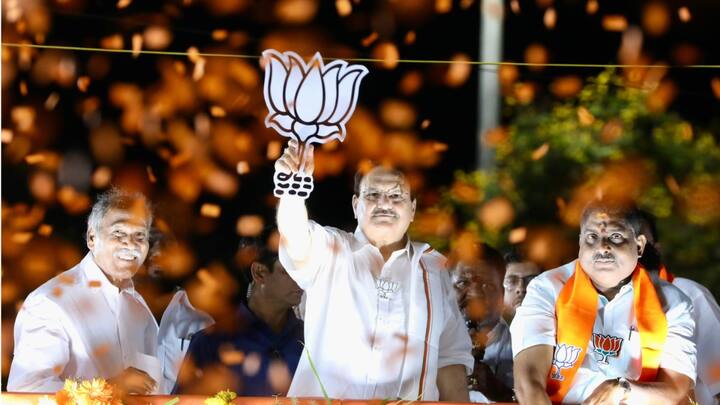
<point x="511" y="282"/>
<point x="394" y="196"/>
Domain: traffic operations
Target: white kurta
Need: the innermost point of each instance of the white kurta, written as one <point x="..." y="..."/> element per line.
<point x="79" y="325"/>
<point x="706" y="313"/>
<point x="534" y="324"/>
<point x="367" y="337"/>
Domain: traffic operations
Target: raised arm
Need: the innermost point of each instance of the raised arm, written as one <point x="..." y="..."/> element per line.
<point x="292" y="216"/>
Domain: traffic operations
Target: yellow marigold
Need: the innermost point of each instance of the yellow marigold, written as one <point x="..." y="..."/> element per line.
<point x="221" y="398"/>
<point x="93" y="392"/>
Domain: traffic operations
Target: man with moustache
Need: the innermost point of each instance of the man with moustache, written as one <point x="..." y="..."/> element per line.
<point x="90" y="322"/>
<point x="599" y="330"/>
<point x="381" y="320"/>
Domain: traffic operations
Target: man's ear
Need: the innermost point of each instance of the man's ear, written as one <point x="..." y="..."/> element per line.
<point x="641" y="241"/>
<point x="90" y="236"/>
<point x="259" y="272"/>
<point x="414" y="206"/>
<point x="354" y="205"/>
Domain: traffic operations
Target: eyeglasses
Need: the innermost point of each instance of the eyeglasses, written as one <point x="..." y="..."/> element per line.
<point x="394" y="196"/>
<point x="511" y="282"/>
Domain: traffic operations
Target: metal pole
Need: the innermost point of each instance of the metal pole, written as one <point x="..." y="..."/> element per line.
<point x="491" y="25"/>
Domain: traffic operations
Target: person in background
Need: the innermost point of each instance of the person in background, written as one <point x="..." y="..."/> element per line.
<point x="600" y="330"/>
<point x="267" y="337"/>
<point x="480" y="297"/>
<point x="706" y="314"/>
<point x="518" y="273"/>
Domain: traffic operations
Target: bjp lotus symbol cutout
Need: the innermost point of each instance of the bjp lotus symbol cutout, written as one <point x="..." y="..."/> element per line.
<point x="565" y="357"/>
<point x="309" y="102"/>
<point x="606" y="346"/>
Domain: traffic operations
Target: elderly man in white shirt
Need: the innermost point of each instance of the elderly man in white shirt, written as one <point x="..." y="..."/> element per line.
<point x="601" y="331"/>
<point x="381" y="319"/>
<point x="90" y="322"/>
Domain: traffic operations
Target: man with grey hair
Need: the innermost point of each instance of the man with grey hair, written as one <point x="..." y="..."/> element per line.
<point x="90" y="322"/>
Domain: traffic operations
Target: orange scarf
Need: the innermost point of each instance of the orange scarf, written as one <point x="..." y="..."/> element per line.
<point x="664" y="274"/>
<point x="575" y="312"/>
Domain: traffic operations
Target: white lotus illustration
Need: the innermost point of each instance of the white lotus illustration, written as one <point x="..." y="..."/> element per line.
<point x="310" y="102"/>
<point x="565" y="357"/>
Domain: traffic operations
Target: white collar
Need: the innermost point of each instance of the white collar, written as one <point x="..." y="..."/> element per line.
<point x="364" y="241"/>
<point x="94" y="274"/>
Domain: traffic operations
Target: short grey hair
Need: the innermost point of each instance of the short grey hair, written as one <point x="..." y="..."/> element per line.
<point x="115" y="198"/>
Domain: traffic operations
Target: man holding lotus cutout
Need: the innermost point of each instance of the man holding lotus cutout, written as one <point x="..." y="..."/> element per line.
<point x="381" y="319"/>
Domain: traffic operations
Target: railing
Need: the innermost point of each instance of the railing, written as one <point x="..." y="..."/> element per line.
<point x="32" y="399"/>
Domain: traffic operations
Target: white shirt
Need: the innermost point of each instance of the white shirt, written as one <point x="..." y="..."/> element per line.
<point x="367" y="343"/>
<point x="79" y="325"/>
<point x="534" y="324"/>
<point x="706" y="314"/>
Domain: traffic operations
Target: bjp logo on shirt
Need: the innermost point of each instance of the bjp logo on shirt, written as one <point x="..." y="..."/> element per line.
<point x="565" y="357"/>
<point x="606" y="346"/>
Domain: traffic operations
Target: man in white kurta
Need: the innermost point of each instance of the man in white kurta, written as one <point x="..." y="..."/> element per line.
<point x="616" y="304"/>
<point x="534" y="324"/>
<point x="381" y="320"/>
<point x="90" y="322"/>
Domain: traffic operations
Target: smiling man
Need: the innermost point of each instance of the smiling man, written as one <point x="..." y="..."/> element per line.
<point x="381" y="320"/>
<point x="599" y="330"/>
<point x="89" y="321"/>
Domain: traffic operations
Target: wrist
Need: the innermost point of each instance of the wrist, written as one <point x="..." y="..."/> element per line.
<point x="625" y="388"/>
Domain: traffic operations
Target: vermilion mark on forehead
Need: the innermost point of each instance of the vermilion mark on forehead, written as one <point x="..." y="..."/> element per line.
<point x="605" y="222"/>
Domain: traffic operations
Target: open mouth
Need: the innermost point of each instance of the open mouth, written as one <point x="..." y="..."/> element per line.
<point x="127" y="255"/>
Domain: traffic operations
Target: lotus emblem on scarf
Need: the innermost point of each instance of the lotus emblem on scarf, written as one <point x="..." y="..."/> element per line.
<point x="565" y="357"/>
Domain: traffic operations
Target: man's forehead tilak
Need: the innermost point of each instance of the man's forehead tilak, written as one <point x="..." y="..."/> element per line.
<point x="604" y="221"/>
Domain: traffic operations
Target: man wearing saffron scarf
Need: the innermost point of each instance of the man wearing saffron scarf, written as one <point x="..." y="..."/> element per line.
<point x="599" y="330"/>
